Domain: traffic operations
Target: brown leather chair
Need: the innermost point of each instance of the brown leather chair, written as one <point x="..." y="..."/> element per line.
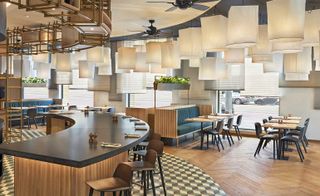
<point x="143" y="145"/>
<point x="120" y="182"/>
<point x="147" y="167"/>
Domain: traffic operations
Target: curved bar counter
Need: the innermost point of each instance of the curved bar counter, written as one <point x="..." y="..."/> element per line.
<point x="61" y="163"/>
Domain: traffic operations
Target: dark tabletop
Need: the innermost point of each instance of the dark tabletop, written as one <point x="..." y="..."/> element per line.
<point x="71" y="146"/>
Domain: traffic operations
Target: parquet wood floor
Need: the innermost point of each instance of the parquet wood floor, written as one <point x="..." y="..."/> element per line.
<point x="239" y="173"/>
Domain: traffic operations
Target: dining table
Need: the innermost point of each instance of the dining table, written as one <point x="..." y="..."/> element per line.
<point x="286" y="121"/>
<point x="282" y="127"/>
<point x="204" y="119"/>
<point x="287" y="117"/>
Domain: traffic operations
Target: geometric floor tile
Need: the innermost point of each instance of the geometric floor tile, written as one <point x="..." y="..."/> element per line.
<point x="181" y="177"/>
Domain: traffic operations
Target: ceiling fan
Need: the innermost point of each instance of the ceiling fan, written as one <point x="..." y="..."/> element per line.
<point x="153" y="31"/>
<point x="185" y="4"/>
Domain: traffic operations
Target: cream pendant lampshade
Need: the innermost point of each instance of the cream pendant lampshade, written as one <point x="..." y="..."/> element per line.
<point x="3" y="21"/>
<point x="234" y="56"/>
<point x="316" y="53"/>
<point x="95" y="54"/>
<point x="170" y="55"/>
<point x="190" y="43"/>
<point x="76" y="57"/>
<point x="286" y="20"/>
<point x="86" y="69"/>
<point x="157" y="69"/>
<point x="26" y="67"/>
<point x="212" y="68"/>
<point x="194" y="62"/>
<point x="63" y="63"/>
<point x="153" y="53"/>
<point x="242" y="26"/>
<point x="140" y="48"/>
<point x="43" y="70"/>
<point x="214" y="33"/>
<point x="297" y="65"/>
<point x="134" y="83"/>
<point x="117" y="69"/>
<point x="276" y="66"/>
<point x="127" y="58"/>
<point x="64" y="77"/>
<point x="286" y="47"/>
<point x="141" y="65"/>
<point x="105" y="68"/>
<point x="261" y="52"/>
<point x="311" y="28"/>
<point x="41" y="58"/>
<point x="99" y="83"/>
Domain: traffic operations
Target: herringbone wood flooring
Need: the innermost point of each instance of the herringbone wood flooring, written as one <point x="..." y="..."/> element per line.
<point x="239" y="173"/>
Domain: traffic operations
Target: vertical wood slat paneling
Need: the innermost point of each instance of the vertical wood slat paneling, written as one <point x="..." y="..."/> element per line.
<point x="205" y="109"/>
<point x="140" y="113"/>
<point x="166" y="123"/>
<point x="38" y="178"/>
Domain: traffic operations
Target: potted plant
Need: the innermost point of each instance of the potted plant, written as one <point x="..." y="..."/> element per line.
<point x="172" y="83"/>
<point x="34" y="82"/>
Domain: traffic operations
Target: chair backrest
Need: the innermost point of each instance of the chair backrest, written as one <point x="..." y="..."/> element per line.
<point x="124" y="172"/>
<point x="151" y="156"/>
<point x="155" y="136"/>
<point x="72" y="107"/>
<point x="239" y="120"/>
<point x="157" y="146"/>
<point x="264" y="121"/>
<point x="258" y="129"/>
<point x="230" y="123"/>
<point x="219" y="127"/>
<point x="270" y="118"/>
<point x="32" y="112"/>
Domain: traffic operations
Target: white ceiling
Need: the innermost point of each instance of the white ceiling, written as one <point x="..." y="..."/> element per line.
<point x="127" y="15"/>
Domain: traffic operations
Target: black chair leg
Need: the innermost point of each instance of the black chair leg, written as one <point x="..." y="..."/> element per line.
<point x="217" y="143"/>
<point x="102" y="193"/>
<point x="228" y="139"/>
<point x="91" y="192"/>
<point x="236" y="130"/>
<point x="239" y="132"/>
<point x="306" y="140"/>
<point x="274" y="149"/>
<point x="220" y="141"/>
<point x="202" y="135"/>
<point x="144" y="183"/>
<point x="162" y="178"/>
<point x="258" y="147"/>
<point x="304" y="146"/>
<point x="299" y="151"/>
<point x="152" y="183"/>
<point x="207" y="141"/>
<point x="35" y="123"/>
<point x="29" y="126"/>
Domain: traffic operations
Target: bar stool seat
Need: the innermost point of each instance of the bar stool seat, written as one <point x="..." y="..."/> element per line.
<point x="109" y="184"/>
<point x="141" y="166"/>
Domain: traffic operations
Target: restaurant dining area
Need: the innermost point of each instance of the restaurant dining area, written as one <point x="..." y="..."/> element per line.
<point x="146" y="97"/>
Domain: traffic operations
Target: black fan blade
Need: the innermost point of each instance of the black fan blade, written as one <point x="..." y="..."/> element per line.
<point x="199" y="7"/>
<point x="160" y="2"/>
<point x="171" y="9"/>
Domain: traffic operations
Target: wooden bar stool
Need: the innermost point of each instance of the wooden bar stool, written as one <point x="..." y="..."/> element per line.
<point x="143" y="145"/>
<point x="147" y="167"/>
<point x="157" y="146"/>
<point x="120" y="182"/>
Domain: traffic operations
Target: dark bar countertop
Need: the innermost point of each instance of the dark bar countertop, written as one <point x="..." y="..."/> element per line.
<point x="71" y="146"/>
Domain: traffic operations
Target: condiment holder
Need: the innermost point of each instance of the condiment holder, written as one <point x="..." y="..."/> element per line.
<point x="93" y="138"/>
<point x="115" y="118"/>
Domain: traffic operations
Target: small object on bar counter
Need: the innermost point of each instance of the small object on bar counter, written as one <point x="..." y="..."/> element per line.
<point x="93" y="138"/>
<point x="289" y="115"/>
<point x="139" y="123"/>
<point x="140" y="128"/>
<point x="115" y="118"/>
<point x="110" y="145"/>
<point x="131" y="135"/>
<point x="134" y="120"/>
<point x="124" y="117"/>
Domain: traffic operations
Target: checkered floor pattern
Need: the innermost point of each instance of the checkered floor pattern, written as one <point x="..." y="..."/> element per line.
<point x="181" y="177"/>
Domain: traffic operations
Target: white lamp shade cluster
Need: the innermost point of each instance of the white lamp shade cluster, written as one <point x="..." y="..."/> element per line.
<point x="86" y="69"/>
<point x="170" y="55"/>
<point x="141" y="64"/>
<point x="242" y="26"/>
<point x="234" y="56"/>
<point x="127" y="58"/>
<point x="212" y="68"/>
<point x="153" y="50"/>
<point x="131" y="83"/>
<point x="105" y="67"/>
<point x="63" y="63"/>
<point x="43" y="70"/>
<point x="76" y="57"/>
<point x="190" y="43"/>
<point x="311" y="28"/>
<point x="261" y="52"/>
<point x="95" y="54"/>
<point x="99" y="82"/>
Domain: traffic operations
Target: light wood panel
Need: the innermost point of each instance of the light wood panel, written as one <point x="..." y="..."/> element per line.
<point x="37" y="178"/>
<point x="166" y="123"/>
<point x="140" y="113"/>
<point x="205" y="109"/>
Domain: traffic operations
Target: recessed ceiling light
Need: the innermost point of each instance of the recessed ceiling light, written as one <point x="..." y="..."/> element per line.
<point x="92" y="29"/>
<point x="53" y="9"/>
<point x="8" y="4"/>
<point x="28" y="16"/>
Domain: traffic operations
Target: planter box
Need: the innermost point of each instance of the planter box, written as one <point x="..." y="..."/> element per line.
<point x="171" y="86"/>
<point x="34" y="84"/>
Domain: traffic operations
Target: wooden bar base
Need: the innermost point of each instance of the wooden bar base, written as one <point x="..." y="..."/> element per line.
<point x="38" y="178"/>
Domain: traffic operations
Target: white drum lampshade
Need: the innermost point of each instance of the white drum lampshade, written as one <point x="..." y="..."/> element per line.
<point x="316" y="53"/>
<point x="286" y="20"/>
<point x="297" y="66"/>
<point x="214" y="33"/>
<point x="86" y="69"/>
<point x="76" y="57"/>
<point x="43" y="70"/>
<point x="141" y="64"/>
<point x="64" y="77"/>
<point x="311" y="28"/>
<point x="190" y="43"/>
<point x="134" y="83"/>
<point x="261" y="52"/>
<point x="99" y="82"/>
<point x="286" y="47"/>
<point x="212" y="68"/>
<point x="153" y="53"/>
<point x="194" y="62"/>
<point x="63" y="63"/>
<point x="126" y="58"/>
<point x="41" y="58"/>
<point x="234" y="56"/>
<point x="95" y="54"/>
<point x="170" y="55"/>
<point x="157" y="69"/>
<point x="105" y="68"/>
<point x="242" y="26"/>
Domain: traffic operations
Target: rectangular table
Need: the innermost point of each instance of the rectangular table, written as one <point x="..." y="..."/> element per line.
<point x="285" y="121"/>
<point x="202" y="120"/>
<point x="281" y="127"/>
<point x="288" y="117"/>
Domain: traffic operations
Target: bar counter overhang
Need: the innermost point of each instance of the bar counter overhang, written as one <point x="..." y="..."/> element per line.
<point x="61" y="163"/>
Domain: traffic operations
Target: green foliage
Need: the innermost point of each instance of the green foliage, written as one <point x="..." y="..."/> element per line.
<point x="33" y="80"/>
<point x="174" y="80"/>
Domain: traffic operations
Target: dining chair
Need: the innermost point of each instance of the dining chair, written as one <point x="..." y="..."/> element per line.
<point x="236" y="127"/>
<point x="32" y="114"/>
<point x="215" y="134"/>
<point x="121" y="181"/>
<point x="227" y="129"/>
<point x="298" y="133"/>
<point x="264" y="138"/>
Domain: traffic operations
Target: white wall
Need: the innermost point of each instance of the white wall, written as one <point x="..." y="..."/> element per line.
<point x="299" y="101"/>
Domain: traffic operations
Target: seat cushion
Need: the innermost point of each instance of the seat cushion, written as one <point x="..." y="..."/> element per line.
<point x="193" y="112"/>
<point x="290" y="138"/>
<point x="108" y="184"/>
<point x="190" y="127"/>
<point x="183" y="114"/>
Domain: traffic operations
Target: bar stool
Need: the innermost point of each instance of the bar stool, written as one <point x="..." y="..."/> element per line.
<point x="143" y="145"/>
<point x="147" y="168"/>
<point x="120" y="182"/>
<point x="157" y="146"/>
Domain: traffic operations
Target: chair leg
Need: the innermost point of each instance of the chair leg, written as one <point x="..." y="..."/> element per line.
<point x="274" y="149"/>
<point x="306" y="140"/>
<point x="299" y="151"/>
<point x="144" y="183"/>
<point x="35" y="123"/>
<point x="304" y="146"/>
<point x="230" y="137"/>
<point x="29" y="126"/>
<point x="202" y="135"/>
<point x="220" y="141"/>
<point x="258" y="147"/>
<point x="239" y="132"/>
<point x="217" y="143"/>
<point x="102" y="193"/>
<point x="91" y="192"/>
<point x="162" y="178"/>
<point x="152" y="183"/>
<point x="207" y="141"/>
